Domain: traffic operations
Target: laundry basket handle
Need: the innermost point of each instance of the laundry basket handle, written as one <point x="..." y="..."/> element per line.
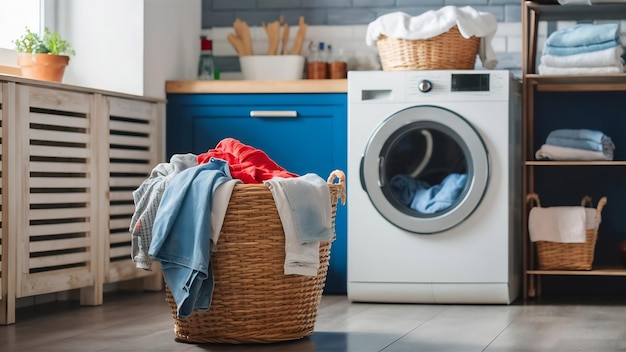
<point x="341" y="177"/>
<point x="586" y="201"/>
<point x="533" y="197"/>
<point x="599" y="208"/>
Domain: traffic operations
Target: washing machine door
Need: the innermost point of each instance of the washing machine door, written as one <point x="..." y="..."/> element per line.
<point x="425" y="169"/>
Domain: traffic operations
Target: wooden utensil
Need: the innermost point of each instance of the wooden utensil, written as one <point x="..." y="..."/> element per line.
<point x="273" y="35"/>
<point x="243" y="32"/>
<point x="296" y="49"/>
<point x="237" y="43"/>
<point x="283" y="50"/>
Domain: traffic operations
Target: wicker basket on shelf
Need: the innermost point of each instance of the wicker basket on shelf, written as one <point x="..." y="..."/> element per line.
<point x="253" y="300"/>
<point x="449" y="50"/>
<point x="568" y="256"/>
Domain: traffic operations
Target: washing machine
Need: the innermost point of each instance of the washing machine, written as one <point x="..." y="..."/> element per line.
<point x="434" y="186"/>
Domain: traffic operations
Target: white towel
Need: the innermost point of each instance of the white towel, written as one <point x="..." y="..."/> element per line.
<point x="304" y="208"/>
<point x="553" y="152"/>
<point x="433" y="23"/>
<point x="544" y="69"/>
<point x="560" y="224"/>
<point x="221" y="197"/>
<point x="607" y="57"/>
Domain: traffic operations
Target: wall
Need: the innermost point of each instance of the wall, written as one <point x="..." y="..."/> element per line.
<point x="130" y="46"/>
<point x="343" y="23"/>
<point x="222" y="13"/>
<point x="111" y="58"/>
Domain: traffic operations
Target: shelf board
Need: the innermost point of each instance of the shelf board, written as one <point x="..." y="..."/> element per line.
<point x="573" y="163"/>
<point x="578" y="83"/>
<point x="555" y="12"/>
<point x="600" y="271"/>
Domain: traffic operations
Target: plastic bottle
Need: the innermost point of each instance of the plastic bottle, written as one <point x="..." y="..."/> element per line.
<point x="338" y="64"/>
<point x="317" y="66"/>
<point x="206" y="63"/>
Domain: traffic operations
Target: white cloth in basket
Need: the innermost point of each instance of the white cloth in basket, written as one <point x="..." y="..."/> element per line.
<point x="221" y="197"/>
<point x="561" y="224"/>
<point x="433" y="23"/>
<point x="303" y="205"/>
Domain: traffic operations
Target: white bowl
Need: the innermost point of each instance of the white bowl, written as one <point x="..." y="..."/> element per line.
<point x="272" y="67"/>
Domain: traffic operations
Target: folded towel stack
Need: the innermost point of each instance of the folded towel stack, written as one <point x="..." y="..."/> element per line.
<point x="583" y="49"/>
<point x="576" y="144"/>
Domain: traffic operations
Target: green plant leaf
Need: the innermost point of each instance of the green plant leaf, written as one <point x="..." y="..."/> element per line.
<point x="50" y="43"/>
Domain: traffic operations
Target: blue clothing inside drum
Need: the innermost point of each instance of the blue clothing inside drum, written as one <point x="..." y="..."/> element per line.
<point x="425" y="198"/>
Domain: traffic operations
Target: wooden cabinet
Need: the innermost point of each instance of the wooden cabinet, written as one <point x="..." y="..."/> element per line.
<point x="71" y="158"/>
<point x="302" y="132"/>
<point x="573" y="101"/>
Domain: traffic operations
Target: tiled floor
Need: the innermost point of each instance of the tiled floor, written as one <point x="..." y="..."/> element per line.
<point x="142" y="322"/>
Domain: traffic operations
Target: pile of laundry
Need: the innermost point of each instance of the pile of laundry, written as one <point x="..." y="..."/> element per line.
<point x="576" y="144"/>
<point x="585" y="48"/>
<point x="180" y="209"/>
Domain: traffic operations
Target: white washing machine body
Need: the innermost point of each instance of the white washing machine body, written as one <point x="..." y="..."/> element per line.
<point x="466" y="250"/>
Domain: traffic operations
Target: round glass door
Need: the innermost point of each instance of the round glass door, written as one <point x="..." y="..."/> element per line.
<point x="425" y="169"/>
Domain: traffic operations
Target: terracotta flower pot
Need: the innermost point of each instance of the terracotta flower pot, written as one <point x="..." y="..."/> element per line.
<point x="45" y="67"/>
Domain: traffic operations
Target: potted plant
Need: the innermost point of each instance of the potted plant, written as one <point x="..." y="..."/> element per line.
<point x="43" y="58"/>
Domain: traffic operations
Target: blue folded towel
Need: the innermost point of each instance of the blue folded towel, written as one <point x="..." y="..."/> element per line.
<point x="582" y="139"/>
<point x="427" y="199"/>
<point x="582" y="38"/>
<point x="583" y="49"/>
<point x="584" y="34"/>
<point x="584" y="134"/>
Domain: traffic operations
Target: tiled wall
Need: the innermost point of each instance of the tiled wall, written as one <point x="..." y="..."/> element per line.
<point x="222" y="13"/>
<point x="343" y="23"/>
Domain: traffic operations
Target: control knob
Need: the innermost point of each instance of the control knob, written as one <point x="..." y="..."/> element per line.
<point x="425" y="86"/>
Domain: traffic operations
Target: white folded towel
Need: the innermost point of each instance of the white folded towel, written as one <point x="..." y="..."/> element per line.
<point x="607" y="57"/>
<point x="561" y="224"/>
<point x="544" y="69"/>
<point x="433" y="23"/>
<point x="553" y="152"/>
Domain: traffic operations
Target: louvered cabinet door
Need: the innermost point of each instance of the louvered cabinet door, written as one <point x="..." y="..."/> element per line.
<point x="135" y="147"/>
<point x="54" y="179"/>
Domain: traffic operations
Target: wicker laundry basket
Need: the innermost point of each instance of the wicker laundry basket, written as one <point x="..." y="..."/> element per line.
<point x="449" y="50"/>
<point x="253" y="300"/>
<point x="568" y="256"/>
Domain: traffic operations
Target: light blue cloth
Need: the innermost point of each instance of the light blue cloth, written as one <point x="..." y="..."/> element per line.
<point x="427" y="199"/>
<point x="582" y="139"/>
<point x="309" y="205"/>
<point x="584" y="134"/>
<point x="572" y="50"/>
<point x="181" y="234"/>
<point x="584" y="34"/>
<point x="582" y="38"/>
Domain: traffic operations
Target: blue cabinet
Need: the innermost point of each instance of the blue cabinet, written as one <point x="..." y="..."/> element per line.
<point x="302" y="132"/>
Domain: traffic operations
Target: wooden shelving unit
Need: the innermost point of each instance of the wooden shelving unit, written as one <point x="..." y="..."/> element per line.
<point x="534" y="86"/>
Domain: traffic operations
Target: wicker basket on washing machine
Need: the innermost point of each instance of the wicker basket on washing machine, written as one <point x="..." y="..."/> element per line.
<point x="447" y="51"/>
<point x="253" y="300"/>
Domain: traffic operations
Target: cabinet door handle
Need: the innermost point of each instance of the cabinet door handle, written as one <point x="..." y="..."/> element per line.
<point x="270" y="113"/>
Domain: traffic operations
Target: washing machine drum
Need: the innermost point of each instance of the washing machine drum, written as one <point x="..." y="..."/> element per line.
<point x="425" y="169"/>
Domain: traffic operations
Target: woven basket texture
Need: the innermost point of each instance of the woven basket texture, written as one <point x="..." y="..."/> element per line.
<point x="447" y="51"/>
<point x="569" y="256"/>
<point x="253" y="300"/>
